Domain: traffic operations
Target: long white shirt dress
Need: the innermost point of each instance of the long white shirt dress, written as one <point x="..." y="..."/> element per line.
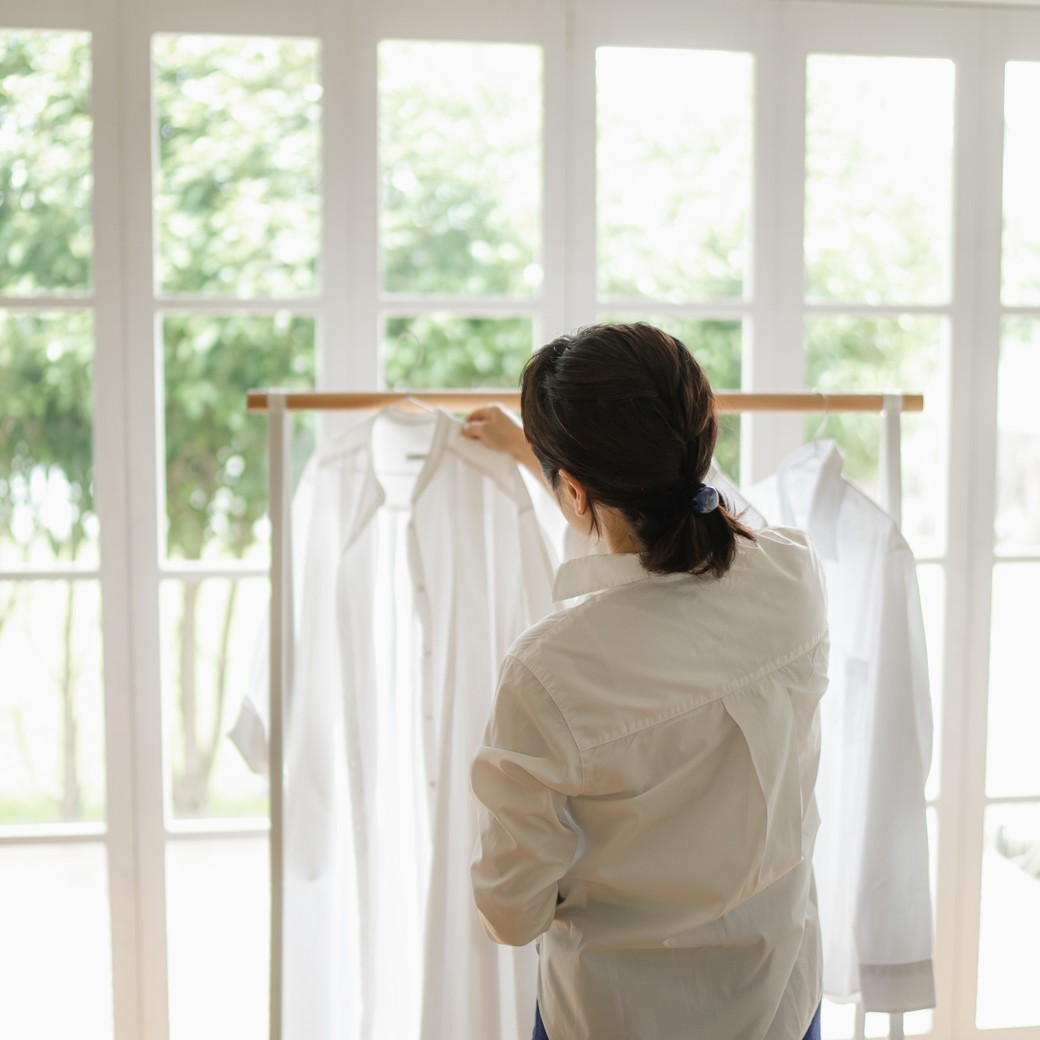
<point x="872" y="852"/>
<point x="646" y="791"/>
<point x="419" y="562"/>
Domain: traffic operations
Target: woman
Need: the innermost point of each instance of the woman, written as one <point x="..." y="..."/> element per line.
<point x="645" y="786"/>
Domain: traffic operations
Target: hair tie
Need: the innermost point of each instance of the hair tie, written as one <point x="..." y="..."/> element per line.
<point x="705" y="499"/>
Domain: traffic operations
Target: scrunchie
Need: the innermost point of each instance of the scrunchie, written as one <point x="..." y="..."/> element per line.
<point x="705" y="499"/>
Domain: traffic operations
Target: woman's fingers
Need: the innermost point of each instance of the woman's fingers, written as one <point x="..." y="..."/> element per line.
<point x="495" y="427"/>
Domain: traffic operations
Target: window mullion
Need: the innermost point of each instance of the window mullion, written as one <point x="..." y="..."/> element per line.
<point x="110" y="446"/>
<point x="774" y="356"/>
<point x="348" y="357"/>
<point x="976" y="341"/>
<point x="556" y="85"/>
<point x="580" y="103"/>
<point x="131" y="57"/>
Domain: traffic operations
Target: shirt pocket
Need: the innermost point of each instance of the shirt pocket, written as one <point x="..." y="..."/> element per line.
<point x="766" y="721"/>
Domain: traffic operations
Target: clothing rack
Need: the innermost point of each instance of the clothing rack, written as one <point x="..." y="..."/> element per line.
<point x="728" y="402"/>
<point x="277" y="403"/>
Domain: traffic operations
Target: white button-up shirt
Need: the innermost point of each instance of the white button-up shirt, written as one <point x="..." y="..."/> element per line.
<point x="646" y="793"/>
<point x="871" y="858"/>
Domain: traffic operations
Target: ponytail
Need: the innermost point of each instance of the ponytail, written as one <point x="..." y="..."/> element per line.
<point x="698" y="543"/>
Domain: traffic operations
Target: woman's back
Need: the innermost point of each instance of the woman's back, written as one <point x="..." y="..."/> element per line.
<point x="674" y="715"/>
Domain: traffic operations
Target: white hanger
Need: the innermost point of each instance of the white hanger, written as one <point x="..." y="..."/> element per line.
<point x="409" y="398"/>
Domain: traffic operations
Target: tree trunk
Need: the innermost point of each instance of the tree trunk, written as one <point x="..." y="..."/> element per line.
<point x="186" y="787"/>
<point x="220" y="689"/>
<point x="71" y="794"/>
<point x="9" y="604"/>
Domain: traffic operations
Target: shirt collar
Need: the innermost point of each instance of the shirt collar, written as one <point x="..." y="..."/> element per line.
<point x="597" y="572"/>
<point x="819" y="465"/>
<point x="358" y="439"/>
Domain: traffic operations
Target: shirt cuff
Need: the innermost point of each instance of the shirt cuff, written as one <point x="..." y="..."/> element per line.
<point x="897" y="987"/>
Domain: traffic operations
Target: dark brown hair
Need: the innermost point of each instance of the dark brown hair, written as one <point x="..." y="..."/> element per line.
<point x="627" y="411"/>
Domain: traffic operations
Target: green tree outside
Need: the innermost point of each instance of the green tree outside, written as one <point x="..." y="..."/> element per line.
<point x="216" y="501"/>
<point x="237" y="213"/>
<point x="46" y="458"/>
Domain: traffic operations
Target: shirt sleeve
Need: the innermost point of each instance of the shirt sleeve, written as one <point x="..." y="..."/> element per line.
<point x="894" y="929"/>
<point x="521" y="778"/>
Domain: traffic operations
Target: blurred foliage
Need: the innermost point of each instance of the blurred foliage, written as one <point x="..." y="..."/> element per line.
<point x="45" y="162"/>
<point x="237" y="213"/>
<point x="216" y="497"/>
<point x="879" y="178"/>
<point x="460" y="167"/>
<point x="849" y="354"/>
<point x="1018" y="442"/>
<point x="47" y="513"/>
<point x="438" y="350"/>
<point x="216" y="468"/>
<point x="236" y="200"/>
<point x="208" y="639"/>
<point x="673" y="173"/>
<point x="52" y="745"/>
<point x="1021" y="232"/>
<point x="46" y="434"/>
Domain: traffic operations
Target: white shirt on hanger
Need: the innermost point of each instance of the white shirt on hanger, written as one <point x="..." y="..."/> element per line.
<point x="871" y="857"/>
<point x="419" y="562"/>
<point x="646" y="798"/>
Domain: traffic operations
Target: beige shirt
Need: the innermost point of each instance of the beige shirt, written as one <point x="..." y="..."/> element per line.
<point x="645" y="794"/>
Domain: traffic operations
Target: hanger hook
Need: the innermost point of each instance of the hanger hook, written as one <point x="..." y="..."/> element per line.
<point x="412" y="369"/>
<point x="416" y="365"/>
<point x="826" y="414"/>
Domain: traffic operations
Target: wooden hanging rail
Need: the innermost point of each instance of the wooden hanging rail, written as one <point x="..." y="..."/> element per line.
<point x="728" y="402"/>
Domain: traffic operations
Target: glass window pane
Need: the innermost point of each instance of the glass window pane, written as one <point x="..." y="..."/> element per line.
<point x="878" y="190"/>
<point x="1021" y="238"/>
<point x="46" y="237"/>
<point x="905" y="353"/>
<point x="210" y="642"/>
<point x="1008" y="995"/>
<point x="217" y="920"/>
<point x="717" y="346"/>
<point x="52" y="719"/>
<point x="55" y="943"/>
<point x="460" y="166"/>
<point x="216" y="453"/>
<point x="1018" y="443"/>
<point x="46" y="439"/>
<point x="236" y="194"/>
<point x="1012" y="761"/>
<point x="837" y="1021"/>
<point x="439" y="350"/>
<point x="673" y="172"/>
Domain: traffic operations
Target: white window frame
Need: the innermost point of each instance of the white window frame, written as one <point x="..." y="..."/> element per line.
<point x="348" y="308"/>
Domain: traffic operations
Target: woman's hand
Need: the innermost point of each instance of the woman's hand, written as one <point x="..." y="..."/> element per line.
<point x="501" y="431"/>
<point x="498" y="429"/>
